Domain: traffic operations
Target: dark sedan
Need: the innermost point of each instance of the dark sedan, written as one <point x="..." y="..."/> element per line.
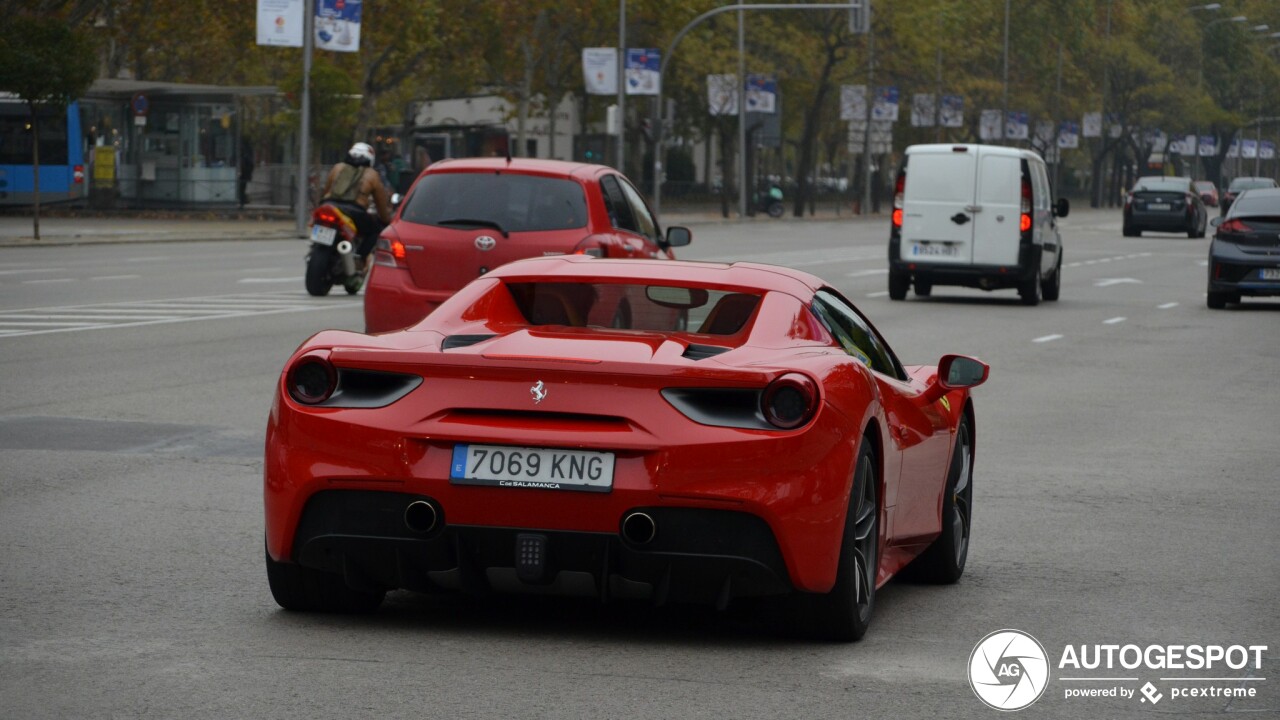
<point x="1165" y="204"/>
<point x="1239" y="185"/>
<point x="1244" y="257"/>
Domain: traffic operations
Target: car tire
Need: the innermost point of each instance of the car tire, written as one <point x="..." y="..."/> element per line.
<point x="898" y="285"/>
<point x="1050" y="288"/>
<point x="924" y="288"/>
<point x="303" y="589"/>
<point x="844" y="614"/>
<point x="943" y="561"/>
<point x="1216" y="300"/>
<point x="1131" y="232"/>
<point x="318" y="278"/>
<point x="776" y="209"/>
<point x="1029" y="290"/>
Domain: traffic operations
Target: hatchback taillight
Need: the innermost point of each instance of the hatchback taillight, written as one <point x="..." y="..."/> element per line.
<point x="1235" y="226"/>
<point x="390" y="252"/>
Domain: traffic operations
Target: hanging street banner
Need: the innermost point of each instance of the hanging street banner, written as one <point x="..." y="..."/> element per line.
<point x="600" y="70"/>
<point x="762" y="94"/>
<point x="1069" y="135"/>
<point x="885" y="106"/>
<point x="1017" y="125"/>
<point x="881" y="137"/>
<point x="338" y="25"/>
<point x="1249" y="149"/>
<point x="280" y="22"/>
<point x="642" y="71"/>
<point x="1044" y="133"/>
<point x="1156" y="139"/>
<point x="1234" y="150"/>
<point x="952" y="114"/>
<point x="1116" y="127"/>
<point x="989" y="125"/>
<point x="1092" y="125"/>
<point x="922" y="110"/>
<point x="1185" y="145"/>
<point x="853" y="102"/>
<point x="1208" y="146"/>
<point x="1267" y="151"/>
<point x="722" y="94"/>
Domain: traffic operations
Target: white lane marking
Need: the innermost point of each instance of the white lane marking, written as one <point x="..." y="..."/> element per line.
<point x="1104" y="260"/>
<point x="1114" y="320"/>
<point x="1167" y="305"/>
<point x="866" y="273"/>
<point x="1203" y="263"/>
<point x="1108" y="282"/>
<point x="31" y="270"/>
<point x="74" y="325"/>
<point x="47" y="281"/>
<point x="882" y="293"/>
<point x="1047" y="338"/>
<point x="116" y="277"/>
<point x="151" y="258"/>
<point x="245" y="281"/>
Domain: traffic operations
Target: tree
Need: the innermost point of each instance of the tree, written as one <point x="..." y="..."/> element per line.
<point x="47" y="64"/>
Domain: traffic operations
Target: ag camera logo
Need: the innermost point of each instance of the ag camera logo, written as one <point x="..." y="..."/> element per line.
<point x="1008" y="670"/>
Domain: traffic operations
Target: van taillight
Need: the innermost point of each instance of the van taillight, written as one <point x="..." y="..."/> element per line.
<point x="1024" y="224"/>
<point x="898" y="188"/>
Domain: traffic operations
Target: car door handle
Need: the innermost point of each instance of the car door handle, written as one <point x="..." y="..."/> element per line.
<point x="959" y="218"/>
<point x="973" y="208"/>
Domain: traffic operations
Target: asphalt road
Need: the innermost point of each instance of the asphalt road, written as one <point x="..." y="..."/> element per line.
<point x="1125" y="492"/>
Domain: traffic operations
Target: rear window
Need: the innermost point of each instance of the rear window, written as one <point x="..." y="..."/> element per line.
<point x="940" y="177"/>
<point x="1161" y="185"/>
<point x="653" y="308"/>
<point x="1252" y="204"/>
<point x="1249" y="183"/>
<point x="517" y="203"/>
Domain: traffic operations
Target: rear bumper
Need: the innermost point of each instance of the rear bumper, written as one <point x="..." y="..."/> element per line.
<point x="697" y="555"/>
<point x="1170" y="221"/>
<point x="986" y="277"/>
<point x="1232" y="270"/>
<point x="393" y="302"/>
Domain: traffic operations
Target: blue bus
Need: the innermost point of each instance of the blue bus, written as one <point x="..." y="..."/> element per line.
<point x="62" y="164"/>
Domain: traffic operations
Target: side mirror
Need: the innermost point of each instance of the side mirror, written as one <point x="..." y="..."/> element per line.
<point x="395" y="199"/>
<point x="1215" y="221"/>
<point x="678" y="236"/>
<point x="1063" y="208"/>
<point x="956" y="372"/>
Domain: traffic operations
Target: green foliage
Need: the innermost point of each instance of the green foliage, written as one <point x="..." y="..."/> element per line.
<point x="44" y="61"/>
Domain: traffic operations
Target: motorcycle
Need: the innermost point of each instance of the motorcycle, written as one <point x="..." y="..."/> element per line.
<point x="332" y="259"/>
<point x="770" y="202"/>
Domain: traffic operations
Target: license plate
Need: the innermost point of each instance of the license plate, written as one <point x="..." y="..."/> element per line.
<point x="1159" y="206"/>
<point x="1270" y="273"/>
<point x="918" y="250"/>
<point x="323" y="235"/>
<point x="524" y="467"/>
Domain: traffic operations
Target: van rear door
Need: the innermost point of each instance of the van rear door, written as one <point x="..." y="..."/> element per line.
<point x="995" y="227"/>
<point x="937" y="226"/>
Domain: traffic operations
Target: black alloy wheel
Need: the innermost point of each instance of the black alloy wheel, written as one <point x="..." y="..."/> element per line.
<point x="844" y="614"/>
<point x="943" y="562"/>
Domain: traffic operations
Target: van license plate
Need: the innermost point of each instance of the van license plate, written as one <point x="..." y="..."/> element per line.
<point x="1270" y="273"/>
<point x="918" y="250"/>
<point x="524" y="467"/>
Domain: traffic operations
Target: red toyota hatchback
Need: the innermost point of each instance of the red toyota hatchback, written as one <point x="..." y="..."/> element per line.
<point x="463" y="218"/>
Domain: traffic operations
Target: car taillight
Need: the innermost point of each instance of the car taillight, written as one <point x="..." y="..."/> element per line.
<point x="1024" y="223"/>
<point x="1235" y="226"/>
<point x="311" y="380"/>
<point x="1128" y="200"/>
<point x="898" y="188"/>
<point x="790" y="401"/>
<point x="589" y="246"/>
<point x="390" y="252"/>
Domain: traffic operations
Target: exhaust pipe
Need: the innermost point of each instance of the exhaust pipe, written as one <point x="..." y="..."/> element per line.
<point x="639" y="528"/>
<point x="345" y="249"/>
<point x="420" y="517"/>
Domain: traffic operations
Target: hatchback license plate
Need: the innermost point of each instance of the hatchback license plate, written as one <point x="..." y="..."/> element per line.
<point x="524" y="467"/>
<point x="323" y="235"/>
<point x="1270" y="273"/>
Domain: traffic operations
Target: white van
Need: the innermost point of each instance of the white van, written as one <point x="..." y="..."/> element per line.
<point x="975" y="215"/>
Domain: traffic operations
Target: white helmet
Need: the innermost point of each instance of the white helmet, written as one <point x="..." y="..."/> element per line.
<point x="361" y="154"/>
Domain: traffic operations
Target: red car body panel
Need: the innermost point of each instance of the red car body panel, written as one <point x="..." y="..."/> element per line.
<point x="440" y="260"/>
<point x="604" y="393"/>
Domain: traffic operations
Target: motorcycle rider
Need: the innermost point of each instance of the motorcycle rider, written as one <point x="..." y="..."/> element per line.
<point x="351" y="185"/>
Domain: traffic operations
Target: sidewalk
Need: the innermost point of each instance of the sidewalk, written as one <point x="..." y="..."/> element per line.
<point x="16" y="231"/>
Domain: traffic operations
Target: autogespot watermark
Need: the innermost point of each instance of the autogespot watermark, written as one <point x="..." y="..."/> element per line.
<point x="1010" y="669"/>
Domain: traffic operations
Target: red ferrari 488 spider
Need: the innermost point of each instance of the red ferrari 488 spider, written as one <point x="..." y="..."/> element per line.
<point x="623" y="429"/>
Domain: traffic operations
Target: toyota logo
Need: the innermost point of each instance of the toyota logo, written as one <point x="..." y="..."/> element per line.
<point x="484" y="242"/>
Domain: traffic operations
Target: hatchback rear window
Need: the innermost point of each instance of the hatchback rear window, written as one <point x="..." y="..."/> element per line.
<point x="515" y="203"/>
<point x="1251" y="204"/>
<point x="1250" y="183"/>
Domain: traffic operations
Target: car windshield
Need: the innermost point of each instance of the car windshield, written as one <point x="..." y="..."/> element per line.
<point x="1161" y="185"/>
<point x="1249" y="183"/>
<point x="1253" y="204"/>
<point x="653" y="308"/>
<point x="506" y="202"/>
